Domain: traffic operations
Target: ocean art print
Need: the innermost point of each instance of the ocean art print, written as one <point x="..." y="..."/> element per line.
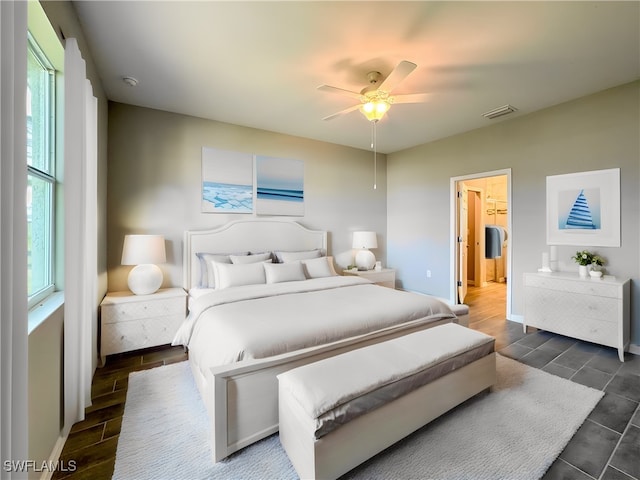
<point x="279" y="186"/>
<point x="583" y="209"/>
<point x="227" y="181"/>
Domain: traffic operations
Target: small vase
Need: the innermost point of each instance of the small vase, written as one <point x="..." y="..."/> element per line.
<point x="583" y="271"/>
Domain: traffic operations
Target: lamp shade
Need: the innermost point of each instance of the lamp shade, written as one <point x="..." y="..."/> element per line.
<point x="142" y="249"/>
<point x="365" y="240"/>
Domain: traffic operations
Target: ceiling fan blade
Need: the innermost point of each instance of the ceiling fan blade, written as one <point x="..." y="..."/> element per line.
<point x="342" y="112"/>
<point x="412" y="98"/>
<point x="397" y="75"/>
<point x="340" y="91"/>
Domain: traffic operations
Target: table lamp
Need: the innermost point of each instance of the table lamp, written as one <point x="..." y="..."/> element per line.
<point x="363" y="241"/>
<point x="144" y="251"/>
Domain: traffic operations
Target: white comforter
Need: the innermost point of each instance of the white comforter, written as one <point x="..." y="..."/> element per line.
<point x="258" y="321"/>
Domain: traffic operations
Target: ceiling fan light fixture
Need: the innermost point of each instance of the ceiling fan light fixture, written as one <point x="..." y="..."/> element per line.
<point x="374" y="109"/>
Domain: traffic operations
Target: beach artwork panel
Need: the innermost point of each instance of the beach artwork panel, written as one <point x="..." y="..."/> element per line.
<point x="227" y="181"/>
<point x="583" y="209"/>
<point x="279" y="186"/>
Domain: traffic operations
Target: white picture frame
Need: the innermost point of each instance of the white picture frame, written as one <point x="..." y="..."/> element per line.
<point x="583" y="209"/>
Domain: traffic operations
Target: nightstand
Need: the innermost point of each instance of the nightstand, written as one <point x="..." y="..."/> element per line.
<point x="130" y="322"/>
<point x="385" y="277"/>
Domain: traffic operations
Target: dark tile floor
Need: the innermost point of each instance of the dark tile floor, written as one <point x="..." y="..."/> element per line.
<point x="607" y="445"/>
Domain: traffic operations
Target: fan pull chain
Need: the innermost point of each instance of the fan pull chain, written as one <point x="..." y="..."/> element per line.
<point x="375" y="159"/>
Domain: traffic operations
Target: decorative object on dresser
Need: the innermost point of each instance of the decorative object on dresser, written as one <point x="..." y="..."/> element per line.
<point x="385" y="276"/>
<point x="144" y="251"/>
<point x="363" y="241"/>
<point x="597" y="311"/>
<point x="130" y="322"/>
<point x="589" y="262"/>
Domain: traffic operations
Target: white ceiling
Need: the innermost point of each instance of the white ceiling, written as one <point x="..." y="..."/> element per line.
<point x="259" y="64"/>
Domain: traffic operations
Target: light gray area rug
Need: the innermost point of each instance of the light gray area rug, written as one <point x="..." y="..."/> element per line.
<point x="514" y="432"/>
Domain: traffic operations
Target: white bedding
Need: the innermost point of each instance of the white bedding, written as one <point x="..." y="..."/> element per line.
<point x="258" y="321"/>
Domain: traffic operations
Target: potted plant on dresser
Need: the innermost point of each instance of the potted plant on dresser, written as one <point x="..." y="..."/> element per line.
<point x="588" y="263"/>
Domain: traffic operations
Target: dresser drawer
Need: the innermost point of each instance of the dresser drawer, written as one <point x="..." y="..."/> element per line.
<point x="564" y="305"/>
<point x="124" y="312"/>
<point x="136" y="334"/>
<point x="586" y="287"/>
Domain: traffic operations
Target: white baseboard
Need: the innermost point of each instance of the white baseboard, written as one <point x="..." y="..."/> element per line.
<point x="516" y="318"/>
<point x="635" y="349"/>
<point x="54" y="458"/>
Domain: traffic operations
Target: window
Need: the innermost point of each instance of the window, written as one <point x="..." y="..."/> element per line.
<point x="41" y="179"/>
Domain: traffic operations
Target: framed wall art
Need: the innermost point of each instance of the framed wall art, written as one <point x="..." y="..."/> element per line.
<point x="583" y="209"/>
<point x="279" y="186"/>
<point x="227" y="181"/>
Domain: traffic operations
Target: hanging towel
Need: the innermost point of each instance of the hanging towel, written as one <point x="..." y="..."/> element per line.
<point x="495" y="237"/>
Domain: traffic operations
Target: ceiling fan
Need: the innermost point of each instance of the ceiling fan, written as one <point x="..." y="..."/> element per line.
<point x="376" y="99"/>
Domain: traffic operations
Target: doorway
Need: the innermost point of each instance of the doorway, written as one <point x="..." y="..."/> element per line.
<point x="480" y="238"/>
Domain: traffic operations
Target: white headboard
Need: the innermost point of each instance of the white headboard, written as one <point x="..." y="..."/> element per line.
<point x="254" y="235"/>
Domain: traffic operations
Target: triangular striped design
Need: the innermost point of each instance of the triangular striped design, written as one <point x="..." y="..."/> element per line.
<point x="580" y="215"/>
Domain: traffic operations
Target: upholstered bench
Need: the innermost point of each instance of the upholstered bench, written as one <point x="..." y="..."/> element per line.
<point x="340" y="411"/>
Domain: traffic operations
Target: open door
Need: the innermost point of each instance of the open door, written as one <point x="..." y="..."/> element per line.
<point x="462" y="241"/>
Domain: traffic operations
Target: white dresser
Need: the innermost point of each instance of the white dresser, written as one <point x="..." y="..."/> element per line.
<point x="130" y="322"/>
<point x="595" y="310"/>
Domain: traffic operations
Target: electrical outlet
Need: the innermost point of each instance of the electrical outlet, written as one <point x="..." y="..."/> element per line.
<point x="428" y="273"/>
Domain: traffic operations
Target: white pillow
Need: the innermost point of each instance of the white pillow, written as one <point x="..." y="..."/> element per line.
<point x="319" y="267"/>
<point x="207" y="273"/>
<point x="285" y="257"/>
<point x="252" y="258"/>
<point x="284" y="272"/>
<point x="229" y="275"/>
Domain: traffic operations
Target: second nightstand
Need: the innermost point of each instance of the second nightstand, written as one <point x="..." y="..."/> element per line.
<point x="385" y="277"/>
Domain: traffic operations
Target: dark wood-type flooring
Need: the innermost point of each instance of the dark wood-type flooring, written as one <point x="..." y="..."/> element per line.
<point x="606" y="447"/>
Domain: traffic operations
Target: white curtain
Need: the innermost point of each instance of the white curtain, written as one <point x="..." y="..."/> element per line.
<point x="13" y="236"/>
<point x="80" y="204"/>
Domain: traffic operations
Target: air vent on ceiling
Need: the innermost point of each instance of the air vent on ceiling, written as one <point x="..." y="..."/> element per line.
<point x="499" y="112"/>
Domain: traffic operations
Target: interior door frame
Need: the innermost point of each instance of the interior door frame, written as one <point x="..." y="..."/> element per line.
<point x="454" y="254"/>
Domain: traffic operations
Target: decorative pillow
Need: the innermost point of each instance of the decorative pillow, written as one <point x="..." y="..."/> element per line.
<point x="319" y="267"/>
<point x="229" y="275"/>
<point x="285" y="257"/>
<point x="284" y="272"/>
<point x="251" y="258"/>
<point x="207" y="274"/>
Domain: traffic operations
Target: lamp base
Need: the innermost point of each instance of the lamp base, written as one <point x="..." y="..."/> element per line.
<point x="365" y="259"/>
<point x="145" y="279"/>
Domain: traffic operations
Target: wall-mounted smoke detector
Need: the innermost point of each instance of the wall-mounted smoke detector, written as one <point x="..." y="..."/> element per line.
<point x="132" y="82"/>
<point x="499" y="112"/>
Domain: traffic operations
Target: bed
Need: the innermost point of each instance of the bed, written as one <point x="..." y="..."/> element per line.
<point x="264" y="298"/>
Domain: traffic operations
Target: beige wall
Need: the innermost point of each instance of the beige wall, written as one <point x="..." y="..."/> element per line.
<point x="592" y="133"/>
<point x="45" y="394"/>
<point x="155" y="179"/>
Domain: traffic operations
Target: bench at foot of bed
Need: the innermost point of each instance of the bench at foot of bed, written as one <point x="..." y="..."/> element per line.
<point x="341" y="411"/>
